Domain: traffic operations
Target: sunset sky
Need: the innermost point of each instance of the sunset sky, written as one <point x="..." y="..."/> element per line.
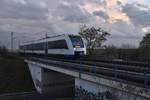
<point x="126" y="20"/>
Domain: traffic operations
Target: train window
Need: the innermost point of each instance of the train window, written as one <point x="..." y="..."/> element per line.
<point x="37" y="46"/>
<point x="77" y="41"/>
<point x="22" y="47"/>
<point x="59" y="44"/>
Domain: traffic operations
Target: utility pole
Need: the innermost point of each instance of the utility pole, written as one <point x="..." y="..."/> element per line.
<point x="46" y="36"/>
<point x="12" y="34"/>
<point x="46" y="49"/>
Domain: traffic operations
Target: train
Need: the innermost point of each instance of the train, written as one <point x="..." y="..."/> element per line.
<point x="64" y="45"/>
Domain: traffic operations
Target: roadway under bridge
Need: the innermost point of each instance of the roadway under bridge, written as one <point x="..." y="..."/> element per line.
<point x="90" y="80"/>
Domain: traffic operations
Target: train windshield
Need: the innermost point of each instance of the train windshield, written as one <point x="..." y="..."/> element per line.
<point x="77" y="41"/>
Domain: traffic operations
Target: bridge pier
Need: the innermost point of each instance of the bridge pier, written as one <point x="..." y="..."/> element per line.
<point x="52" y="83"/>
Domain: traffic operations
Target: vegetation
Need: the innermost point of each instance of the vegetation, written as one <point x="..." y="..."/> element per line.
<point x="134" y="54"/>
<point x="94" y="37"/>
<point x="14" y="74"/>
<point x="145" y="43"/>
<point x="3" y="51"/>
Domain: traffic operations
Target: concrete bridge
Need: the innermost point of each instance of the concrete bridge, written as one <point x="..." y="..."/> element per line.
<point x="85" y="82"/>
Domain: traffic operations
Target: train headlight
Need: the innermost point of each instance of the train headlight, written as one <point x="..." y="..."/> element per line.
<point x="77" y="46"/>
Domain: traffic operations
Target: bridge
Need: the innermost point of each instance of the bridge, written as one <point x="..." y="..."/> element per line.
<point x="95" y="80"/>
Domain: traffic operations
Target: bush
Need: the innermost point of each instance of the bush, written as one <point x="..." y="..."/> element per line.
<point x="3" y="51"/>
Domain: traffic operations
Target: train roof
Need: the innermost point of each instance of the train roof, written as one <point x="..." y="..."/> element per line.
<point x="48" y="37"/>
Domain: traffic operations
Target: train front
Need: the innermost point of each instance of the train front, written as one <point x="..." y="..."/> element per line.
<point x="78" y="45"/>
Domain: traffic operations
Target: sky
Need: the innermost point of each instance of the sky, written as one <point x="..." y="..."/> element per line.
<point x="126" y="20"/>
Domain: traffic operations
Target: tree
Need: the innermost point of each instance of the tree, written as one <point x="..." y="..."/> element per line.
<point x="3" y="51"/>
<point x="145" y="43"/>
<point x="94" y="37"/>
<point x="144" y="46"/>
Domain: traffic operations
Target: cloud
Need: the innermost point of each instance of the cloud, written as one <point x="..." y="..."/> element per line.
<point x="70" y="12"/>
<point x="23" y="9"/>
<point x="122" y="33"/>
<point x="101" y="14"/>
<point x="91" y="7"/>
<point x="113" y="9"/>
<point x="110" y="9"/>
<point x="138" y="15"/>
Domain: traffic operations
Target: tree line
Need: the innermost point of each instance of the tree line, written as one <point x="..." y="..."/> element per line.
<point x="95" y="38"/>
<point x="3" y="51"/>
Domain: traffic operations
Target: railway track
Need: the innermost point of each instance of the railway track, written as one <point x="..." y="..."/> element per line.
<point x="17" y="93"/>
<point x="118" y="65"/>
<point x="138" y="75"/>
<point x="122" y="62"/>
<point x="115" y="61"/>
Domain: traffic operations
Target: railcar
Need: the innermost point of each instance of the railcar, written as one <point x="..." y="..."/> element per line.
<point x="69" y="45"/>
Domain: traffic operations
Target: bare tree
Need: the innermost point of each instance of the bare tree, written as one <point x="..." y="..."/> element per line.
<point x="94" y="37"/>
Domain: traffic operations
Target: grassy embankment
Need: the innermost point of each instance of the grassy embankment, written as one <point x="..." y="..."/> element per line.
<point x="14" y="75"/>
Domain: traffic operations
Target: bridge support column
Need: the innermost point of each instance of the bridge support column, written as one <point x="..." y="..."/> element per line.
<point x="51" y="83"/>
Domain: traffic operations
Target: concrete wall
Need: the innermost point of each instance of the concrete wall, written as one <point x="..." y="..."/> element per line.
<point x="54" y="84"/>
<point x="36" y="74"/>
<point x="92" y="91"/>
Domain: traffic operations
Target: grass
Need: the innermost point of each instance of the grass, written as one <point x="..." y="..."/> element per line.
<point x="14" y="75"/>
